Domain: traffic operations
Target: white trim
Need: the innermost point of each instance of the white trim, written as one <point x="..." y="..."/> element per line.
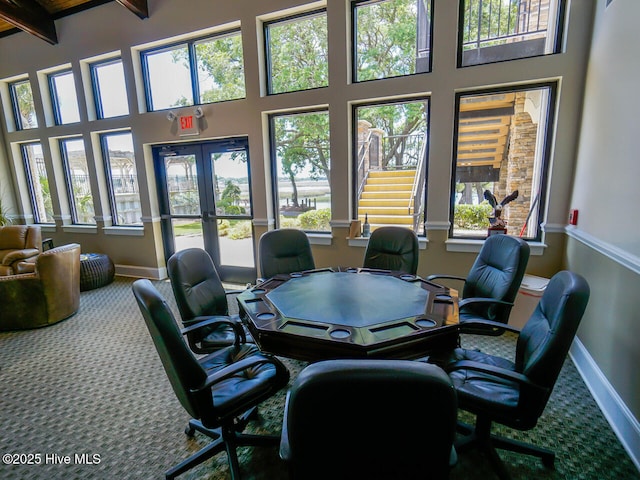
<point x="474" y="246"/>
<point x="364" y="241"/>
<point x="340" y="223"/>
<point x="141" y="272"/>
<point x="622" y="421"/>
<point x="437" y="225"/>
<point x="80" y="229"/>
<point x="263" y="222"/>
<point x="626" y="259"/>
<point x="125" y="231"/>
<point x="320" y="238"/>
<point x="553" y="227"/>
<point x="146" y="219"/>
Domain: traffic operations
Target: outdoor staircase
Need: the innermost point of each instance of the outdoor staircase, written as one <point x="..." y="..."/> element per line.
<point x="386" y="198"/>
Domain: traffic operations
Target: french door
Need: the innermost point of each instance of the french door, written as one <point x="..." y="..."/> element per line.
<point x="204" y="193"/>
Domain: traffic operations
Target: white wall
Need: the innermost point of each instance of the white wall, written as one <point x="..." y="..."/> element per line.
<point x="607" y="179"/>
<point x="605" y="245"/>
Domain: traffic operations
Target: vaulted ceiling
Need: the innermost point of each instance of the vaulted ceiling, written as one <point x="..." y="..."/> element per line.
<point x="37" y="17"/>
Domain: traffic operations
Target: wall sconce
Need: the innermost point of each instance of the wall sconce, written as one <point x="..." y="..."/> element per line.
<point x="198" y="113"/>
<point x="171" y="115"/>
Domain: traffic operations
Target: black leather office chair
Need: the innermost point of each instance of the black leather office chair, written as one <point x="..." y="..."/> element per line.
<point x="218" y="389"/>
<point x="285" y="250"/>
<point x="358" y="419"/>
<point x="515" y="394"/>
<point x="392" y="248"/>
<point x="493" y="282"/>
<point x="200" y="295"/>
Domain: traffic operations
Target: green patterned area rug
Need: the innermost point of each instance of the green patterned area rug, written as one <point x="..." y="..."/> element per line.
<point x="91" y="389"/>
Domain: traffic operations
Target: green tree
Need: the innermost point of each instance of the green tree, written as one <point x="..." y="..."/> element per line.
<point x="386" y="39"/>
<point x="221" y="62"/>
<point x="24" y="98"/>
<point x="398" y="121"/>
<point x="230" y="198"/>
<point x="302" y="144"/>
<point x="298" y="54"/>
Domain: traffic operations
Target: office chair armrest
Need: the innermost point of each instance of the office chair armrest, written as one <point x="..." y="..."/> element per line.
<point x="233" y="292"/>
<point x="493" y="370"/>
<point x="201" y="322"/>
<point x="490" y="324"/>
<point x="448" y="277"/>
<point x="472" y="300"/>
<point x="230" y="370"/>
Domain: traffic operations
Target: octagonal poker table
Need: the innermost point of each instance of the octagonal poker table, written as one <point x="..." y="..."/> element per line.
<point x="350" y="313"/>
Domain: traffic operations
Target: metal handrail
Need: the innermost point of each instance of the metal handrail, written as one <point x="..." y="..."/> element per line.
<point x="519" y="25"/>
<point x="362" y="175"/>
<point x="416" y="197"/>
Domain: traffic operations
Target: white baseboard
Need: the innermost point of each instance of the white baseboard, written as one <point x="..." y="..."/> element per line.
<point x="141" y="272"/>
<point x="622" y="421"/>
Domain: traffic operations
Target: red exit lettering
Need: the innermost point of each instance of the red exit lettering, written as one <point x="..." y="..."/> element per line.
<point x="186" y="122"/>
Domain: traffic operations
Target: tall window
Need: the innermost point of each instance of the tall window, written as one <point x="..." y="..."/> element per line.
<point x="77" y="174"/>
<point x="120" y="169"/>
<point x="109" y="88"/>
<point x="302" y="169"/>
<point x="37" y="182"/>
<point x="498" y="30"/>
<point x="391" y="38"/>
<point x="391" y="163"/>
<point x="220" y="66"/>
<point x="24" y="110"/>
<point x="168" y="80"/>
<point x="297" y="53"/>
<point x="502" y="150"/>
<point x="200" y="71"/>
<point x="64" y="98"/>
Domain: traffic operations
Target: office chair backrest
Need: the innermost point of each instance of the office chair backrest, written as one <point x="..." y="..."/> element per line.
<point x="497" y="273"/>
<point x="180" y="364"/>
<point x="285" y="250"/>
<point x="357" y="419"/>
<point x="196" y="284"/>
<point x="392" y="248"/>
<point x="545" y="339"/>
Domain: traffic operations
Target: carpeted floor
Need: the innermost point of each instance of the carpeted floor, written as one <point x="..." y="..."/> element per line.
<point x="92" y="388"/>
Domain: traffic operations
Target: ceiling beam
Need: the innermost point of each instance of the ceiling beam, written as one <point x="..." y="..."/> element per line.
<point x="28" y="15"/>
<point x="139" y="7"/>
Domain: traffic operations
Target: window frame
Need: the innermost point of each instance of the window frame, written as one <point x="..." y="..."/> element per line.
<point x="558" y="41"/>
<point x="30" y="186"/>
<point x="541" y="204"/>
<point x="190" y="45"/>
<point x="106" y="163"/>
<point x="69" y="183"/>
<point x="55" y="101"/>
<point x="354" y="34"/>
<point x="274" y="163"/>
<point x="95" y="86"/>
<point x="15" y="107"/>
<point x="354" y="158"/>
<point x="267" y="51"/>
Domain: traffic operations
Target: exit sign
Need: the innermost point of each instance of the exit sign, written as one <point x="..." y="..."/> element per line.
<point x="188" y="125"/>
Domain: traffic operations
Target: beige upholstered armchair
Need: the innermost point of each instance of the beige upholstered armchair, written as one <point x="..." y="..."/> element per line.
<point x="50" y="294"/>
<point x="19" y="247"/>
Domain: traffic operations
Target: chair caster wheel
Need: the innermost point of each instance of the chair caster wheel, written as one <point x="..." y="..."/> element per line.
<point x="189" y="431"/>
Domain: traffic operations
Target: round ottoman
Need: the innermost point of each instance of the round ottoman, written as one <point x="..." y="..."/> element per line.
<point x="96" y="270"/>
